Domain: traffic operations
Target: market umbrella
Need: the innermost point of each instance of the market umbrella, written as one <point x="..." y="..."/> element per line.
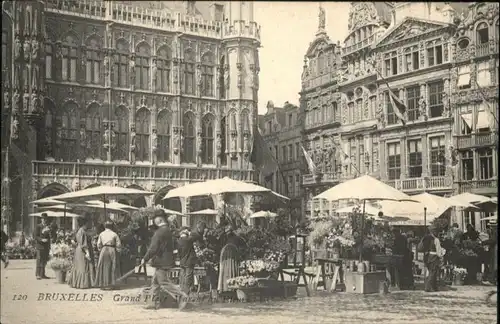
<point x="55" y="207"/>
<point x="363" y="188"/>
<point x="113" y="204"/>
<point x="411" y="212"/>
<point x="171" y="212"/>
<point x="489" y="206"/>
<point x="263" y="213"/>
<point x="51" y="213"/>
<point x="46" y="201"/>
<point x="471" y="198"/>
<point x="204" y="212"/>
<point x="369" y="210"/>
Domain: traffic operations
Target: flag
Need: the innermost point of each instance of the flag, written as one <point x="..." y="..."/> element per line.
<point x="398" y="106"/>
<point x="310" y="164"/>
<point x="262" y="157"/>
<point x="489" y="112"/>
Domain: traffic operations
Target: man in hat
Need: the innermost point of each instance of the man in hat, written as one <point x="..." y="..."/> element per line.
<point x="161" y="254"/>
<point x="187" y="255"/>
<point x="42" y="245"/>
<point x="491" y="250"/>
<point x="433" y="256"/>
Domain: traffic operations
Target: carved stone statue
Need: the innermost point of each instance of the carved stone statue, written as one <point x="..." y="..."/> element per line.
<point x="35" y="72"/>
<point x="6" y="100"/>
<point x="58" y="137"/>
<point x="15" y="101"/>
<point x="380" y="115"/>
<point x="14" y="131"/>
<point x="226" y="76"/>
<point x="27" y="50"/>
<point x="422" y="106"/>
<point x="154" y="74"/>
<point x="106" y="65"/>
<point x="199" y="144"/>
<point x="256" y="79"/>
<point x="247" y="146"/>
<point x="35" y="104"/>
<point x="177" y="141"/>
<point x="133" y="145"/>
<point x="154" y="146"/>
<point x="35" y="50"/>
<point x="17" y="48"/>
<point x="234" y="143"/>
<point x="198" y="77"/>
<point x="218" y="144"/>
<point x="322" y="18"/>
<point x="83" y="137"/>
<point x="132" y="70"/>
<point x="26" y="101"/>
<point x="446" y="105"/>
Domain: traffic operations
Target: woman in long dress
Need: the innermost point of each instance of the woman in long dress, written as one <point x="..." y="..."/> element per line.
<point x="108" y="267"/>
<point x="83" y="271"/>
<point x="229" y="260"/>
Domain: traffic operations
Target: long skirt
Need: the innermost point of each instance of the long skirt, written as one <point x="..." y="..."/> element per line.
<point x="228" y="267"/>
<point x="108" y="268"/>
<point x="82" y="274"/>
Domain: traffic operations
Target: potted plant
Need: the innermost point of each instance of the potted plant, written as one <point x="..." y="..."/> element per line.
<point x="459" y="275"/>
<point x="60" y="254"/>
<point x="246" y="287"/>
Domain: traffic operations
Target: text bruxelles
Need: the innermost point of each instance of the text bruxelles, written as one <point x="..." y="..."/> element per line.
<point x="70" y="297"/>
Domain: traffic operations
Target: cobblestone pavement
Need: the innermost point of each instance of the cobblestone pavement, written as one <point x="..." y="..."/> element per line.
<point x="463" y="305"/>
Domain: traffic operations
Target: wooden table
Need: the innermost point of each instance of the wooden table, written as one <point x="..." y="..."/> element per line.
<point x="333" y="266"/>
<point x="298" y="272"/>
<point x="199" y="274"/>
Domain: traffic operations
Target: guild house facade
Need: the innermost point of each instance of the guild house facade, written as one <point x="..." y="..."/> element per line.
<point x="143" y="94"/>
<point x="430" y="56"/>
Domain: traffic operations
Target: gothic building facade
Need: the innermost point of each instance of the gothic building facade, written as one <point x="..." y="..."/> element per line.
<point x="413" y="50"/>
<point x="139" y="94"/>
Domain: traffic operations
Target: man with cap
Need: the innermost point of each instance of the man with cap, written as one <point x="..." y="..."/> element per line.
<point x="42" y="245"/>
<point x="161" y="254"/>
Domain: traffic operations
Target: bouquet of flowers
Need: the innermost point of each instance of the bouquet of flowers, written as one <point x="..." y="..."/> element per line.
<point x="259" y="267"/>
<point x="460" y="273"/>
<point x="279" y="249"/>
<point x="60" y="256"/>
<point x="242" y="281"/>
<point x="206" y="256"/>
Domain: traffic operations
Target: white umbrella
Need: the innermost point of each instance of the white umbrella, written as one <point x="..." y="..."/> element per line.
<point x="113" y="204"/>
<point x="98" y="205"/>
<point x="55" y="207"/>
<point x="490" y="206"/>
<point x="47" y="201"/>
<point x="416" y="213"/>
<point x="204" y="212"/>
<point x="103" y="192"/>
<point x="471" y="198"/>
<point x="369" y="210"/>
<point x="263" y="213"/>
<point x="216" y="187"/>
<point x="55" y="214"/>
<point x="171" y="212"/>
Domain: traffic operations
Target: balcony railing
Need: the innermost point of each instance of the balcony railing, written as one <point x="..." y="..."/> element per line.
<point x="139" y="172"/>
<point x="422" y="184"/>
<point x="474" y="140"/>
<point x="325" y="178"/>
<point x="355" y="47"/>
<point x="490" y="185"/>
<point x="483" y="49"/>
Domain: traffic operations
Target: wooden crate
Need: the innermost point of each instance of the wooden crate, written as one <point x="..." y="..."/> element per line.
<point x="364" y="283"/>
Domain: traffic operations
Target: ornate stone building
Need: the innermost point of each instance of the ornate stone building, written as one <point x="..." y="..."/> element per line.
<point x="281" y="128"/>
<point x="143" y="94"/>
<point x="408" y="48"/>
<point x="474" y="80"/>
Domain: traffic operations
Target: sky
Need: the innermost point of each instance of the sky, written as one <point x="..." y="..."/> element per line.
<point x="287" y="29"/>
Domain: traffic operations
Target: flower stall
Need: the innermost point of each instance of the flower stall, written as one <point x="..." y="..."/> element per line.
<point x="60" y="261"/>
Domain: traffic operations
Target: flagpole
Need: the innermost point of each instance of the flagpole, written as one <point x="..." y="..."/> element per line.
<point x="486" y="101"/>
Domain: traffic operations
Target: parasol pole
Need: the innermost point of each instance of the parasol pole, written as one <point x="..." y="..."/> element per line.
<point x="425" y="233"/>
<point x="362" y="232"/>
<point x="105" y="213"/>
<point x="64" y="219"/>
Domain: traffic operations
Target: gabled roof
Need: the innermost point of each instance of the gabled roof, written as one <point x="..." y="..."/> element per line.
<point x="321" y="42"/>
<point x="409" y="27"/>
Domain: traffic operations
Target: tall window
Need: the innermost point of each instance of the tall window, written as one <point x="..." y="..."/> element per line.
<point x="49" y="129"/>
<point x="142" y="67"/>
<point x="163" y="129"/>
<point x="207" y="75"/>
<point x="163" y="73"/>
<point x="93" y="67"/>
<point x="69" y="59"/>
<point x="69" y="132"/>
<point x="142" y="132"/>
<point x="284" y="154"/>
<point x="121" y="131"/>
<point x="393" y="161"/>
<point x="335" y="116"/>
<point x="464" y="76"/>
<point x="392" y="119"/>
<point x="94" y="131"/>
<point x="189" y="74"/>
<point x="436" y="99"/>
<point x="120" y="72"/>
<point x="223" y="130"/>
<point x="391" y="64"/>
<point x="49" y="55"/>
<point x="483" y="74"/>
<point x="434" y="55"/>
<point x="438" y="157"/>
<point x="297" y="151"/>
<point x="467" y="165"/>
<point x="189" y="153"/>
<point x="207" y="156"/>
<point x="297" y="185"/>
<point x="5" y="53"/>
<point x="413" y="96"/>
<point x="290" y="152"/>
<point x="411" y="61"/>
<point x="485" y="164"/>
<point x="415" y="158"/>
<point x="482" y="34"/>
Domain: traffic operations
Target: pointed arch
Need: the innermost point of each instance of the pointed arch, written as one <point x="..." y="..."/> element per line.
<point x="189" y="153"/>
<point x="189" y="71"/>
<point x="164" y="66"/>
<point x="207" y="74"/>
<point x="49" y="127"/>
<point x="482" y="32"/>
<point x="52" y="189"/>
<point x="208" y="139"/>
<point x="245" y="121"/>
<point x="70" y="46"/>
<point x="164" y="123"/>
<point x="121" y="131"/>
<point x="93" y="54"/>
<point x="142" y="130"/>
<point x="142" y="66"/>
<point x="121" y="64"/>
<point x="232" y="125"/>
<point x="93" y="127"/>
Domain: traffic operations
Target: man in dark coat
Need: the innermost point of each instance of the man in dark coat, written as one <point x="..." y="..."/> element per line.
<point x="161" y="254"/>
<point x="433" y="256"/>
<point x="187" y="255"/>
<point x="42" y="245"/>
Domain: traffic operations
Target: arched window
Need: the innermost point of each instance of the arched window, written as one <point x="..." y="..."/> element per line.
<point x="232" y="122"/>
<point x="207" y="75"/>
<point x="69" y="132"/>
<point x="163" y="66"/>
<point x="142" y="67"/>
<point x="49" y="55"/>
<point x="189" y="153"/>
<point x="49" y="129"/>
<point x="207" y="134"/>
<point x="120" y="72"/>
<point x="94" y="131"/>
<point x="121" y="131"/>
<point x="93" y="66"/>
<point x="69" y="58"/>
<point x="482" y="33"/>
<point x="163" y="132"/>
<point x="142" y="124"/>
<point x="245" y="121"/>
<point x="189" y="82"/>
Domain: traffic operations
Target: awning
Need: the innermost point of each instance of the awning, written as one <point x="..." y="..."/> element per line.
<point x="483" y="120"/>
<point x="463" y="80"/>
<point x="467" y="119"/>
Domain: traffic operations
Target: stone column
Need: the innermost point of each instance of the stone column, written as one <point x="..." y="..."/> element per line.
<point x="404" y="158"/>
<point x="425" y="154"/>
<point x="382" y="159"/>
<point x="475" y="161"/>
